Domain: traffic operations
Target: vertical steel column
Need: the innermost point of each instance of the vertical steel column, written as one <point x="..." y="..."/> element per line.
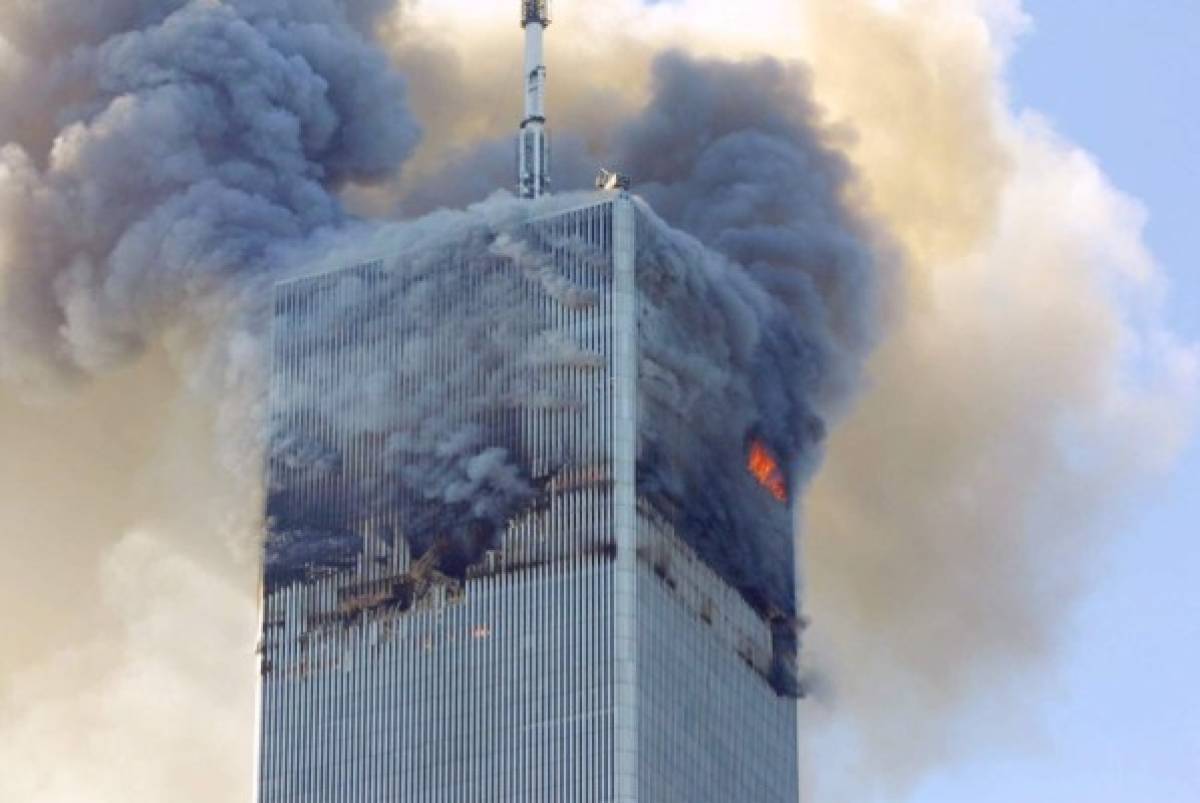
<point x="625" y="370"/>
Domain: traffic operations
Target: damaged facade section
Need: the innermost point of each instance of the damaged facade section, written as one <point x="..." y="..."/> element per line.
<point x="516" y="466"/>
<point x="430" y="402"/>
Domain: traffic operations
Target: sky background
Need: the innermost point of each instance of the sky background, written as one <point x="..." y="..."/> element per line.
<point x="1121" y="712"/>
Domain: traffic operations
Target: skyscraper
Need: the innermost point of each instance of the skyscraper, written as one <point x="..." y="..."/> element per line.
<point x="529" y="533"/>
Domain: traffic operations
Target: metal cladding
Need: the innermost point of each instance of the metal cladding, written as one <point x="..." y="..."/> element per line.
<point x="486" y="580"/>
<point x="533" y="146"/>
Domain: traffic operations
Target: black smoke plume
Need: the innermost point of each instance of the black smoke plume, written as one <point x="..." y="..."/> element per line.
<point x="736" y="154"/>
<point x="179" y="158"/>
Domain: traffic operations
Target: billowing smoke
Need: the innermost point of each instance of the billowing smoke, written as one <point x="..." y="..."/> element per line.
<point x="736" y="155"/>
<point x="200" y="155"/>
<point x="1026" y="392"/>
<point x="168" y="161"/>
<point x="159" y="154"/>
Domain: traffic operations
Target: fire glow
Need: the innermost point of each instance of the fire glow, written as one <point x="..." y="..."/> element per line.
<point x="765" y="468"/>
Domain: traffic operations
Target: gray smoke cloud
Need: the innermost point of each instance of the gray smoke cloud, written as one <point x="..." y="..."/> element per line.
<point x="736" y="154"/>
<point x="175" y="159"/>
<point x="167" y="152"/>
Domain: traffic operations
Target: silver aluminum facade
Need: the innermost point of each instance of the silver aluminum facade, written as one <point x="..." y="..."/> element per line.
<point x="592" y="656"/>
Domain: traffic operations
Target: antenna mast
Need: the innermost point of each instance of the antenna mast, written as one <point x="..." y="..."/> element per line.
<point x="533" y="149"/>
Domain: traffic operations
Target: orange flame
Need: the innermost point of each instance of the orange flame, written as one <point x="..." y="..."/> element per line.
<point x="765" y="468"/>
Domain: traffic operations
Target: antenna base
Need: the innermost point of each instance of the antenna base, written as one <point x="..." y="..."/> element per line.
<point x="535" y="11"/>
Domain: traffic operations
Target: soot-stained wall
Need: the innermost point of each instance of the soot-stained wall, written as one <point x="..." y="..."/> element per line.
<point x="407" y="392"/>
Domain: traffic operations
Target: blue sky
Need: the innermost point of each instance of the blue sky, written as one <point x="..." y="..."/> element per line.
<point x="1120" y="714"/>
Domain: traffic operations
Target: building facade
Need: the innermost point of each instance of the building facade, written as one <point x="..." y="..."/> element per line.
<point x="473" y="593"/>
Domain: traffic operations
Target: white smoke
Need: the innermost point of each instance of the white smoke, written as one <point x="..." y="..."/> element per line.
<point x="130" y="573"/>
<point x="135" y="715"/>
<point x="1027" y="390"/>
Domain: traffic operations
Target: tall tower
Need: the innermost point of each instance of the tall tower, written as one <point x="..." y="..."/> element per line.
<point x="529" y="535"/>
<point x="533" y="147"/>
<point x="596" y="640"/>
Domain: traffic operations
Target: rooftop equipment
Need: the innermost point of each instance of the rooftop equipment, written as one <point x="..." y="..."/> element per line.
<point x="533" y="147"/>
